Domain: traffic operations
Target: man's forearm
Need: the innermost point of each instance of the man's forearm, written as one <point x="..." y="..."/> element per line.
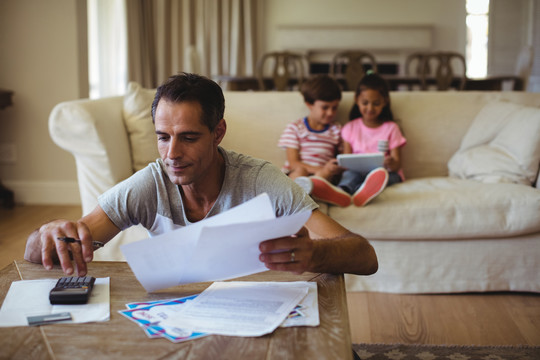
<point x="349" y="253"/>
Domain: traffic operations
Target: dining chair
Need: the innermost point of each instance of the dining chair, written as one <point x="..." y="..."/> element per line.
<point x="349" y="65"/>
<point x="446" y="69"/>
<point x="414" y="62"/>
<point x="288" y="70"/>
<point x="414" y="67"/>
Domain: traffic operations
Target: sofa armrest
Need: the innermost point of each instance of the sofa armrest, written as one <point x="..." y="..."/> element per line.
<point x="94" y="132"/>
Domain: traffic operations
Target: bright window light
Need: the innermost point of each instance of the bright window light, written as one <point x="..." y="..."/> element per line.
<point x="107" y="48"/>
<point x="477" y="7"/>
<point x="477" y="37"/>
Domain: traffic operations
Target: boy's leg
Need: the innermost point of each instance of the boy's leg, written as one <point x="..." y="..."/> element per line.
<point x="305" y="183"/>
<point x="299" y="171"/>
<point x="373" y="185"/>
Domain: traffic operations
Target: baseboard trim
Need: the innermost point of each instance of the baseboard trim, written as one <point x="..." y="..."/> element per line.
<point x="45" y="193"/>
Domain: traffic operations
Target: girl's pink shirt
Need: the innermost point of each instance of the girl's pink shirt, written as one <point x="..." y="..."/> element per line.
<point x="364" y="139"/>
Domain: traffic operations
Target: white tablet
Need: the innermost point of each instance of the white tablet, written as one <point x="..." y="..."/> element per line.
<point x="362" y="163"/>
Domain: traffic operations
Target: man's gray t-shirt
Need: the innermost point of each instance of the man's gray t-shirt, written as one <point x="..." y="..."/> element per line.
<point x="149" y="198"/>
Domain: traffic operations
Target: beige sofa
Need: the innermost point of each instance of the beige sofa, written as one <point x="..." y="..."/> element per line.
<point x="472" y="231"/>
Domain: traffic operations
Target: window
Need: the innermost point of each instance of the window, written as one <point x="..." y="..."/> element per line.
<point x="107" y="66"/>
<point x="477" y="37"/>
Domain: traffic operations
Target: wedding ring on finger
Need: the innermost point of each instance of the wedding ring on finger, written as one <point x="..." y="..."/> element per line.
<point x="292" y="256"/>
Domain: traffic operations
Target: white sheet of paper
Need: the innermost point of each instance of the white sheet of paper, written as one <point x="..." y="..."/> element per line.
<point x="31" y="297"/>
<point x="239" y="308"/>
<point x="218" y="248"/>
<point x="229" y="251"/>
<point x="162" y="269"/>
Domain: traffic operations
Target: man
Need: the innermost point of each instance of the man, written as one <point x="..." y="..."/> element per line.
<point x="195" y="179"/>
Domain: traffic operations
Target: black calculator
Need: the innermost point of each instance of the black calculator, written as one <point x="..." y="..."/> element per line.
<point x="72" y="290"/>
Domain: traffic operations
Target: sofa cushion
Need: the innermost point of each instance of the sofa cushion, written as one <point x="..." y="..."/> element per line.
<point x="138" y="119"/>
<point x="445" y="208"/>
<point x="501" y="145"/>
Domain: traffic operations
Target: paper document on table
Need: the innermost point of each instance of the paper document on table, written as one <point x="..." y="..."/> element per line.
<point x="31" y="298"/>
<point x="221" y="247"/>
<point x="151" y="317"/>
<point x="239" y="308"/>
<point x="307" y="312"/>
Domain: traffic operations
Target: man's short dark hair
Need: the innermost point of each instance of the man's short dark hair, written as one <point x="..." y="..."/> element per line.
<point x="320" y="87"/>
<point x="186" y="87"/>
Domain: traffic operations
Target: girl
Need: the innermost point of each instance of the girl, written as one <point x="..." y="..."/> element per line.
<point x="371" y="122"/>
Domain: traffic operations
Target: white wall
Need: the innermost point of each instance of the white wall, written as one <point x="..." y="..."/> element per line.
<point x="39" y="61"/>
<point x="446" y="17"/>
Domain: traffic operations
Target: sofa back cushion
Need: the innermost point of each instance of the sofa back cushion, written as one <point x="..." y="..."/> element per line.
<point x="255" y="121"/>
<point x="434" y="123"/>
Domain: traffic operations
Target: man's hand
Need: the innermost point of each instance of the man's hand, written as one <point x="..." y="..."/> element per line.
<point x="43" y="246"/>
<point x="292" y="253"/>
<point x="322" y="246"/>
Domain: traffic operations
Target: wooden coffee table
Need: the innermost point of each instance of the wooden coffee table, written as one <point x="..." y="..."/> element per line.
<point x="120" y="338"/>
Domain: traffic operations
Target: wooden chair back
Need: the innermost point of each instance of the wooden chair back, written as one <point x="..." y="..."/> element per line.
<point x="287" y="70"/>
<point x="447" y="69"/>
<point x="414" y="64"/>
<point x="350" y="66"/>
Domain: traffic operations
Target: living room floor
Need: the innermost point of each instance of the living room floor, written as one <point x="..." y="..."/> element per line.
<point x="460" y="319"/>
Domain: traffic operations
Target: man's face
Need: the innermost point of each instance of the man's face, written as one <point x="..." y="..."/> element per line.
<point x="185" y="144"/>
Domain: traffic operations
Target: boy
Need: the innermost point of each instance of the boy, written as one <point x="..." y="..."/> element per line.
<point x="313" y="142"/>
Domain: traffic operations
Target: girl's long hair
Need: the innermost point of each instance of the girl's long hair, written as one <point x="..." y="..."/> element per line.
<point x="375" y="82"/>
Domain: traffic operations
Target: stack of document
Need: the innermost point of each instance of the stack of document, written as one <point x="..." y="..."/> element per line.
<point x="229" y="308"/>
<point x="222" y="247"/>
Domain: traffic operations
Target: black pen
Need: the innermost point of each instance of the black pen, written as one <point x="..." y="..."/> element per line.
<point x="95" y="244"/>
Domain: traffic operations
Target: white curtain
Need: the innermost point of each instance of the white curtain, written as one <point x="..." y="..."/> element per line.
<point x="209" y="37"/>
